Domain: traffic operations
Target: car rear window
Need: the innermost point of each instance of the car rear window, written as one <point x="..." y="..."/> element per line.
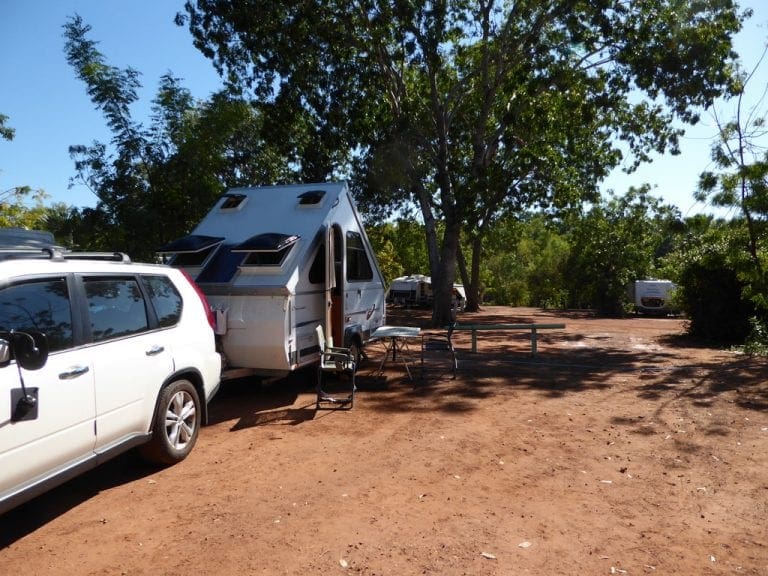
<point x="116" y="307"/>
<point x="165" y="298"/>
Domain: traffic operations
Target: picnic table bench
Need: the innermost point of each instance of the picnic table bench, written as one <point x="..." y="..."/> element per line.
<point x="532" y="327"/>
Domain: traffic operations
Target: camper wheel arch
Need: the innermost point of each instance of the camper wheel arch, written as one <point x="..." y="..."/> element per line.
<point x="353" y="339"/>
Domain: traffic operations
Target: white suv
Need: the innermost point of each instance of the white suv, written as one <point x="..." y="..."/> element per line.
<point x="97" y="355"/>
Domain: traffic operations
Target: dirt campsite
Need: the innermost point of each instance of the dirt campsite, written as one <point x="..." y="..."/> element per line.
<point x="621" y="448"/>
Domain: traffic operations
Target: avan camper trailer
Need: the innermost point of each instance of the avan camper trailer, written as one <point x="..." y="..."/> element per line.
<point x="277" y="261"/>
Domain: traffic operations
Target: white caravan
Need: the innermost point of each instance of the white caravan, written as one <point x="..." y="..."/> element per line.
<point x="416" y="290"/>
<point x="277" y="261"/>
<point x="653" y="296"/>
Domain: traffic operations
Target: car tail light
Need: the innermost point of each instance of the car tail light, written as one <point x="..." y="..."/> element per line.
<point x="203" y="299"/>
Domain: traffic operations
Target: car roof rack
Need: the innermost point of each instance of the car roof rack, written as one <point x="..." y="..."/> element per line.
<point x="60" y="255"/>
<point x="109" y="256"/>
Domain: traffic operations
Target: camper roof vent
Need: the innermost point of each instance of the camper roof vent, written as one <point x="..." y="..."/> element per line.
<point x="270" y="249"/>
<point x="311" y="197"/>
<point x="233" y="202"/>
<point x="269" y="242"/>
<point x="192" y="250"/>
<point x="191" y="243"/>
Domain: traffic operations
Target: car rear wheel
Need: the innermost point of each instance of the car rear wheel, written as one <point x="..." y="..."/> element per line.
<point x="176" y="424"/>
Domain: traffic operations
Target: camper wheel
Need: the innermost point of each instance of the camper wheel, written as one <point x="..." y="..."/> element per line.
<point x="355" y="350"/>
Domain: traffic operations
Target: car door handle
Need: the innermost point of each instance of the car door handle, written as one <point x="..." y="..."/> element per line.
<point x="73" y="372"/>
<point x="155" y="350"/>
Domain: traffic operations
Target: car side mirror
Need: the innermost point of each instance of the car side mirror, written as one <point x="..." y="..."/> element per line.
<point x="30" y="349"/>
<point x="5" y="352"/>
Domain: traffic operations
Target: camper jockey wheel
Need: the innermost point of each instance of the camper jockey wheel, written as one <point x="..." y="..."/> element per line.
<point x="176" y="424"/>
<point x="355" y="351"/>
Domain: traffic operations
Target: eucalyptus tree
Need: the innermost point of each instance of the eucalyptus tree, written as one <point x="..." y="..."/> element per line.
<point x="740" y="183"/>
<point x="469" y="109"/>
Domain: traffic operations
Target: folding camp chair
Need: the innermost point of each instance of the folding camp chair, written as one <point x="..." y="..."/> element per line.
<point x="340" y="362"/>
<point x="439" y="343"/>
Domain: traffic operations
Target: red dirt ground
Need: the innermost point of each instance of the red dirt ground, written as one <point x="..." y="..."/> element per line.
<point x="621" y="449"/>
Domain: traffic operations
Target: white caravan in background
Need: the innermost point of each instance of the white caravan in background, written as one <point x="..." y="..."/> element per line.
<point x="277" y="261"/>
<point x="416" y="290"/>
<point x="653" y="296"/>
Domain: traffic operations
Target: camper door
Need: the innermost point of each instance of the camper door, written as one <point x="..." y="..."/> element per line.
<point x="334" y="289"/>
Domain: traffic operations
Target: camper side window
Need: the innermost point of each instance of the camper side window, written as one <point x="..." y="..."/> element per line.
<point x="317" y="270"/>
<point x="358" y="265"/>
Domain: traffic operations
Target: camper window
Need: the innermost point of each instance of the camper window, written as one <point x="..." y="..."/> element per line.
<point x="192" y="258"/>
<point x="266" y="258"/>
<point x="311" y="197"/>
<point x="270" y="249"/>
<point x="317" y="270"/>
<point x="358" y="266"/>
<point x="233" y="201"/>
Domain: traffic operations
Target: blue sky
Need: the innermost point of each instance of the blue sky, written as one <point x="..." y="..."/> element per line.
<point x="48" y="106"/>
<point x="50" y="110"/>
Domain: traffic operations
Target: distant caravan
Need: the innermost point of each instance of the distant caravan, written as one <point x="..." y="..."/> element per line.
<point x="416" y="290"/>
<point x="653" y="297"/>
<point x="277" y="261"/>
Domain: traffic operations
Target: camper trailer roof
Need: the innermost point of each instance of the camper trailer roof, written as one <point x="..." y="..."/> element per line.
<point x="290" y="210"/>
<point x="260" y="235"/>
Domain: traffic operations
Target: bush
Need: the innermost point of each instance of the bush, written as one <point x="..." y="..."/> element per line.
<point x="757" y="341"/>
<point x="712" y="297"/>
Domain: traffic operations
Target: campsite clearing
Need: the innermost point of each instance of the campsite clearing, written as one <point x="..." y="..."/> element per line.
<point x="622" y="449"/>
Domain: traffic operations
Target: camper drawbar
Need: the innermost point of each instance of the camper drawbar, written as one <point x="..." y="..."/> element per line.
<point x="277" y="261"/>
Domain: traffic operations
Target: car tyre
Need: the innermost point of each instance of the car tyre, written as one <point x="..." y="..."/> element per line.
<point x="176" y="424"/>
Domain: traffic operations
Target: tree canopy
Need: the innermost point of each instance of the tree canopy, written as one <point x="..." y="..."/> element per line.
<point x="160" y="179"/>
<point x="471" y="109"/>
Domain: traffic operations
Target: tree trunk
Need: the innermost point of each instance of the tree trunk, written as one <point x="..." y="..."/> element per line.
<point x="443" y="277"/>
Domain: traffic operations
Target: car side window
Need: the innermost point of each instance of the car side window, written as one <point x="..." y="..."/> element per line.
<point x="116" y="307"/>
<point x="38" y="305"/>
<point x="166" y="300"/>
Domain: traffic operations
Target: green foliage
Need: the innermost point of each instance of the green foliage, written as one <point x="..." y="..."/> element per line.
<point x="162" y="179"/>
<point x="399" y="247"/>
<point x="23" y="208"/>
<point x="711" y="293"/>
<point x="617" y="242"/>
<point x="757" y="341"/>
<point x="468" y="111"/>
<point x="525" y="264"/>
<point x="713" y="290"/>
<point x="741" y="182"/>
<point x="382" y="239"/>
<point x="6" y="132"/>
